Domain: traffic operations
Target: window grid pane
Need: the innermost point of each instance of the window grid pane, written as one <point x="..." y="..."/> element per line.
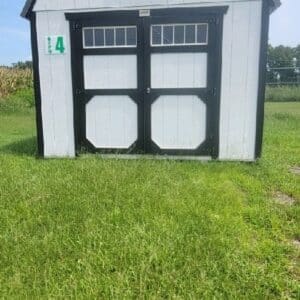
<point x="157" y="35"/>
<point x="120" y="37"/>
<point x="89" y="37"/>
<point x="179" y="34"/>
<point x="190" y="34"/>
<point x="168" y="33"/>
<point x="131" y="36"/>
<point x="110" y="37"/>
<point x="99" y="37"/>
<point x="202" y="33"/>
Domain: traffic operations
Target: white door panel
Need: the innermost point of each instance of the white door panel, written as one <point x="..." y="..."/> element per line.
<point x="179" y="70"/>
<point x="110" y="71"/>
<point x="111" y="122"/>
<point x="178" y="122"/>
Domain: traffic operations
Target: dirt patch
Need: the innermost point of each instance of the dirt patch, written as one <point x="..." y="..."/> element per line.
<point x="296" y="243"/>
<point x="284" y="199"/>
<point x="295" y="170"/>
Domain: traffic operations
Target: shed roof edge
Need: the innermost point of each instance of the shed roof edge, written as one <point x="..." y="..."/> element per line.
<point x="29" y="4"/>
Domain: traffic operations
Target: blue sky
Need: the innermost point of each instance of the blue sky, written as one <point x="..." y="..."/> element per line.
<point x="15" y="37"/>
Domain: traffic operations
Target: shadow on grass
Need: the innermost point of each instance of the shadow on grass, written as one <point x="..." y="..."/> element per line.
<point x="25" y="147"/>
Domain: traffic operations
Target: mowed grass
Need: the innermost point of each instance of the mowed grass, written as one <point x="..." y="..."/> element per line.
<point x="114" y="229"/>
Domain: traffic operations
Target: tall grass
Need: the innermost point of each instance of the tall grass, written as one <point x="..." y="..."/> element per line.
<point x="14" y="79"/>
<point x="283" y="94"/>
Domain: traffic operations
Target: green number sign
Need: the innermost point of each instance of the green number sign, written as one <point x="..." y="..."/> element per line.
<point x="55" y="44"/>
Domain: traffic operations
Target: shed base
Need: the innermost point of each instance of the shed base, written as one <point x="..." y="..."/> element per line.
<point x="155" y="157"/>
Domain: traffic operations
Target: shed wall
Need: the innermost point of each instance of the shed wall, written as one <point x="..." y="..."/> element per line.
<point x="240" y="70"/>
<point x="240" y="79"/>
<point x="56" y="88"/>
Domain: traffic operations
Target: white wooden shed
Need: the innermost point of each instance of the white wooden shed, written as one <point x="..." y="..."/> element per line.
<point x="168" y="77"/>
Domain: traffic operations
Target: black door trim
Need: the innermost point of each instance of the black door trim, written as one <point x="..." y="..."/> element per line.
<point x="213" y="15"/>
<point x="37" y="87"/>
<point x="83" y="96"/>
<point x="264" y="35"/>
<point x="209" y="95"/>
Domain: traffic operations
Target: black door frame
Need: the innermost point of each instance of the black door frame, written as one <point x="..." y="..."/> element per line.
<point x="210" y="95"/>
<point x="83" y="96"/>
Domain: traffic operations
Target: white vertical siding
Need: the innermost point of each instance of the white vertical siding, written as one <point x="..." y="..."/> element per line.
<point x="56" y="88"/>
<point x="241" y="49"/>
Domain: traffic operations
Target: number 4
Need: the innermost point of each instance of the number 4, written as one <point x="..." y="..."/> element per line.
<point x="60" y="47"/>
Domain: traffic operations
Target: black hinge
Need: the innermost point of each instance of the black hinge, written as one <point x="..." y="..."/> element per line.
<point x="79" y="92"/>
<point x="215" y="21"/>
<point x="212" y="91"/>
<point x="76" y="26"/>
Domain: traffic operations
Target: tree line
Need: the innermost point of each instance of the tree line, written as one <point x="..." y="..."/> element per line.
<point x="20" y="65"/>
<point x="283" y="64"/>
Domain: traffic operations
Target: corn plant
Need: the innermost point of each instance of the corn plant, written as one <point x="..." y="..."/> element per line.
<point x="14" y="79"/>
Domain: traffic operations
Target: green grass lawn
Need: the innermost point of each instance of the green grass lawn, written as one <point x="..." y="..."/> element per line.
<point x="112" y="229"/>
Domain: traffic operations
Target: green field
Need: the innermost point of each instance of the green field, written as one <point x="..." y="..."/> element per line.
<point x="112" y="229"/>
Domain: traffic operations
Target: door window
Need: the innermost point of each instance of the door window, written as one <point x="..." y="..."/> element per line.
<point x="179" y="34"/>
<point x="110" y="37"/>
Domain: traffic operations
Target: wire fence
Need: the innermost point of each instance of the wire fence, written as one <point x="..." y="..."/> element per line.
<point x="285" y="73"/>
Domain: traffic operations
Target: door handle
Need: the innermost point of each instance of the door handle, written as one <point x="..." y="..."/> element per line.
<point x="148" y="91"/>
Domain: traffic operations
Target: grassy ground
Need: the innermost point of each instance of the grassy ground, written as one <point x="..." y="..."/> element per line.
<point x="93" y="228"/>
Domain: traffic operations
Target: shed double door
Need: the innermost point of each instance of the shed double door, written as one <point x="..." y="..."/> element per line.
<point x="147" y="84"/>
